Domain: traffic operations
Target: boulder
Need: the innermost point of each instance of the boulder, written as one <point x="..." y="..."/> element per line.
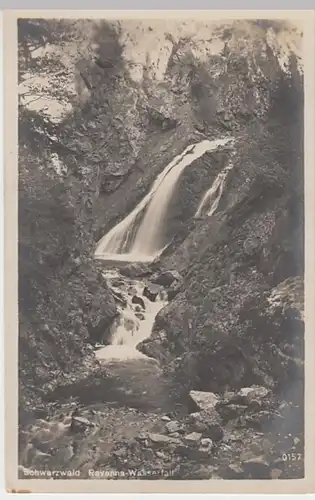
<point x="193" y="438"/>
<point x="138" y="300"/>
<point x="249" y="394"/>
<point x="162" y="440"/>
<point x="204" y="400"/>
<point x="167" y="278"/>
<point x="135" y="270"/>
<point x="151" y="291"/>
<point x="208" y="422"/>
<point x="193" y="471"/>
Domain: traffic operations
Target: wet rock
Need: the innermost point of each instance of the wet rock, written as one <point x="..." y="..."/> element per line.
<point x="167" y="278"/>
<point x="174" y="426"/>
<point x="151" y="291"/>
<point x="165" y="418"/>
<point x="204" y="400"/>
<point x="193" y="438"/>
<point x="140" y="316"/>
<point x="256" y="468"/>
<point x="135" y="270"/>
<point x="138" y="300"/>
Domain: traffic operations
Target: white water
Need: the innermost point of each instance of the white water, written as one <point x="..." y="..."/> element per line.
<point x="134" y="240"/>
<point x="129" y="329"/>
<point x="213" y="195"/>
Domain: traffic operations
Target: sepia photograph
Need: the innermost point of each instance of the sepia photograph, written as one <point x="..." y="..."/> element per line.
<point x="161" y="216"/>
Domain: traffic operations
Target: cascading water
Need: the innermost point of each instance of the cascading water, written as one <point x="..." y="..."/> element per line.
<point x="212" y="197"/>
<point x="135" y="320"/>
<point x="139" y="236"/>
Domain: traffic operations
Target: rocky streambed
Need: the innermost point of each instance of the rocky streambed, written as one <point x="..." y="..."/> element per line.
<point x="129" y="418"/>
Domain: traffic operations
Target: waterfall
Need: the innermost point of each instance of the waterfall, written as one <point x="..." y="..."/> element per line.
<point x="213" y="195"/>
<point x="139" y="236"/>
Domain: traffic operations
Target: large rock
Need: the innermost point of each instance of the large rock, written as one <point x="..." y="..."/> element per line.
<point x="208" y="422"/>
<point x="160" y="440"/>
<point x="193" y="438"/>
<point x="151" y="291"/>
<point x="136" y="270"/>
<point x="204" y="400"/>
<point x="138" y="300"/>
<point x="167" y="278"/>
<point x="174" y="426"/>
<point x="254" y="393"/>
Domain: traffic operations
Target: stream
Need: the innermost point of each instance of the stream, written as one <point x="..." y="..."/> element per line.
<point x="140" y="380"/>
<point x="131" y="401"/>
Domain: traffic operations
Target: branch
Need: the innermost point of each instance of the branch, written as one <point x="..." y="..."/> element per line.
<point x="33" y="100"/>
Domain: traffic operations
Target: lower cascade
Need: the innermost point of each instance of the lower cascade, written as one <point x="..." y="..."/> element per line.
<point x="139" y="236"/>
<point x="135" y="319"/>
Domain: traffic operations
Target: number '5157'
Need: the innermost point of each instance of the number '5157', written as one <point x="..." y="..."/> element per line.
<point x="291" y="457"/>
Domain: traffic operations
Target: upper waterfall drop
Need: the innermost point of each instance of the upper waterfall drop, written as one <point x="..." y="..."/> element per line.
<point x="138" y="237"/>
